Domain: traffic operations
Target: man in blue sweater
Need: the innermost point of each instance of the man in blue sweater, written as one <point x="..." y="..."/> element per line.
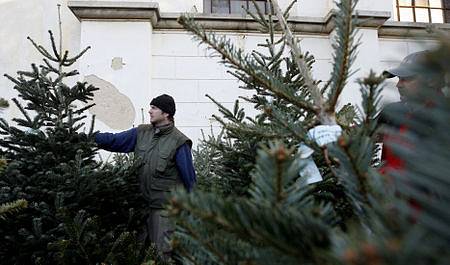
<point x="166" y="159"/>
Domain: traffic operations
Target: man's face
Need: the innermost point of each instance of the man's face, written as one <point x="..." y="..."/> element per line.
<point x="157" y="116"/>
<point x="408" y="87"/>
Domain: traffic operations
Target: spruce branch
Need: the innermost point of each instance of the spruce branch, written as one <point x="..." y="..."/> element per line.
<point x="354" y="162"/>
<point x="234" y="130"/>
<point x="371" y="88"/>
<point x="25" y="114"/>
<point x="91" y="128"/>
<point x="295" y="128"/>
<point x="206" y="243"/>
<point x="299" y="59"/>
<point x="80" y="111"/>
<point x="43" y="51"/>
<point x="60" y="31"/>
<point x="12" y="79"/>
<point x="269" y="225"/>
<point x="71" y="61"/>
<point x="4" y="126"/>
<point x="12" y="208"/>
<point x="64" y="58"/>
<point x="227" y="113"/>
<point x="288" y="9"/>
<point x="76" y="229"/>
<point x="234" y="58"/>
<point x="120" y="243"/>
<point x="259" y="18"/>
<point x="344" y="50"/>
<point x="49" y="66"/>
<point x="55" y="50"/>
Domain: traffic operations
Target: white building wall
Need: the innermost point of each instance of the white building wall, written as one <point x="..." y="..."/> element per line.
<point x="367" y="60"/>
<point x="181" y="5"/>
<point x="181" y="69"/>
<point x="20" y="19"/>
<point x="188" y="71"/>
<point x="121" y="56"/>
<point x="313" y="8"/>
<point x="378" y="5"/>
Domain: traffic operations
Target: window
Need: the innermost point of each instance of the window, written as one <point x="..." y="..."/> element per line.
<point x="434" y="11"/>
<point x="234" y="6"/>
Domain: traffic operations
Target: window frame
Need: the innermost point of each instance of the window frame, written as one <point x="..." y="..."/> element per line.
<point x="445" y="10"/>
<point x="207" y="7"/>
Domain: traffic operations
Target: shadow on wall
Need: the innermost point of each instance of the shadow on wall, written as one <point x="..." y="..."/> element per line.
<point x="112" y="108"/>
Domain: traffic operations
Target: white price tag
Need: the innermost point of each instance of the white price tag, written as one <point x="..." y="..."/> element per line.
<point x="309" y="170"/>
<point x="325" y="134"/>
<point x="322" y="135"/>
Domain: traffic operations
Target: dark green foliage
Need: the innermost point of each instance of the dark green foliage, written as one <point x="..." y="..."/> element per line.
<point x="285" y="103"/>
<point x="407" y="217"/>
<point x="266" y="220"/>
<point x="355" y="215"/>
<point x="281" y="97"/>
<point x="344" y="49"/>
<point x="79" y="211"/>
<point x="10" y="208"/>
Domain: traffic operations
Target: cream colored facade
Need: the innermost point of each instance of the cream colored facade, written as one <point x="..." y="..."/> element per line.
<point x="139" y="51"/>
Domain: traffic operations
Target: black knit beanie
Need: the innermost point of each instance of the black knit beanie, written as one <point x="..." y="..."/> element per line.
<point x="164" y="103"/>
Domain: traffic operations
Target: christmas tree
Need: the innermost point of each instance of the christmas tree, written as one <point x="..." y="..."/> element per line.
<point x="7" y="209"/>
<point x="257" y="203"/>
<point x="79" y="211"/>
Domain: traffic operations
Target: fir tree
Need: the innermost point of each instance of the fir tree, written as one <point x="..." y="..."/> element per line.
<point x="79" y="211"/>
<point x="353" y="216"/>
<point x="289" y="103"/>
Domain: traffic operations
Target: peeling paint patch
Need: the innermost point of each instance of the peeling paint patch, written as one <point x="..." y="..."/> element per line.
<point x="112" y="107"/>
<point x="117" y="63"/>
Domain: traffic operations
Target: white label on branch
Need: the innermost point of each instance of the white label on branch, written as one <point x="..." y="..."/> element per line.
<point x="325" y="134"/>
<point x="322" y="135"/>
<point x="32" y="131"/>
<point x="309" y="170"/>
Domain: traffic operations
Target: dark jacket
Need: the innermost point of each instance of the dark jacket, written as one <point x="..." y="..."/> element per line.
<point x="165" y="154"/>
<point x="156" y="149"/>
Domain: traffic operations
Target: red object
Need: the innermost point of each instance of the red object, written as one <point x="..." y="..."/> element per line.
<point x="391" y="161"/>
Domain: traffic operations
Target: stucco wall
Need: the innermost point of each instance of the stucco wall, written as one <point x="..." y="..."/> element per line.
<point x="183" y="69"/>
<point x="121" y="56"/>
<point x="20" y="19"/>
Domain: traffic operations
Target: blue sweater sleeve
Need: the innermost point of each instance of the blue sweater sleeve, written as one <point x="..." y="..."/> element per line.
<point x="183" y="160"/>
<point x="123" y="142"/>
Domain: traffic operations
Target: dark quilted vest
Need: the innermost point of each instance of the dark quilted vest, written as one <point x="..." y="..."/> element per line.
<point x="156" y="148"/>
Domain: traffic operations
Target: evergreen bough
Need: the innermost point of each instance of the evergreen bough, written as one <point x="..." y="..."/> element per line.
<point x="79" y="210"/>
<point x="252" y="207"/>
